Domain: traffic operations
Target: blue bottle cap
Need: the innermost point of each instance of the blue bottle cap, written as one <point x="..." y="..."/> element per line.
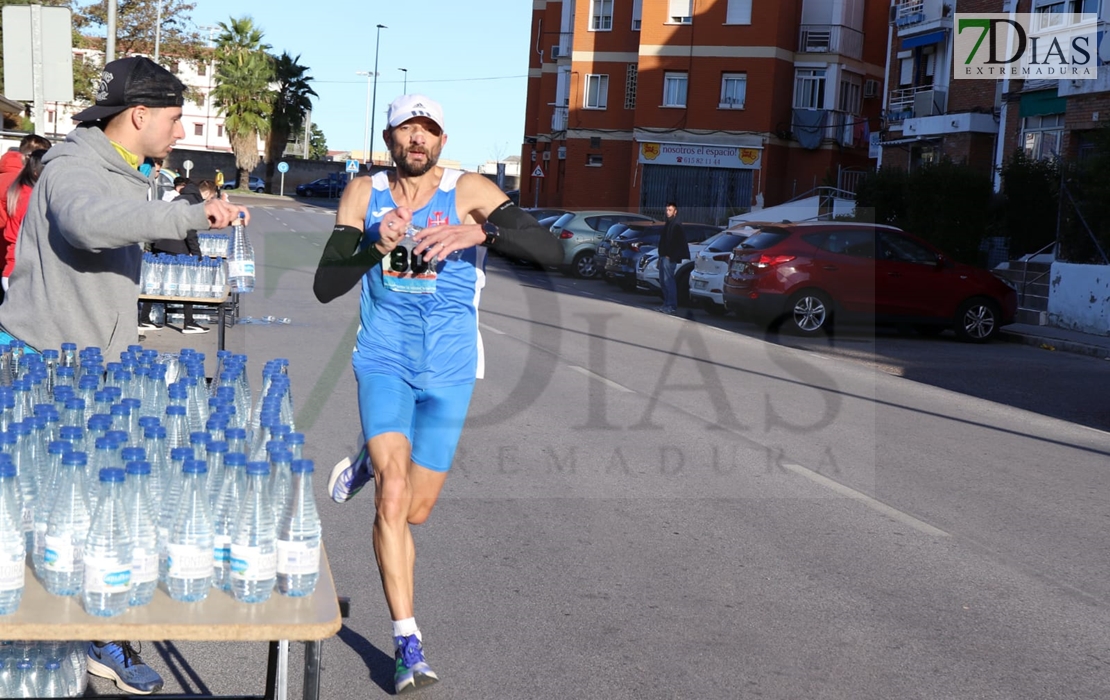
<point x="302" y="465"/>
<point x="7" y="468"/>
<point x="8" y="437"/>
<point x="258" y="468"/>
<point x="135" y="349"/>
<point x="72" y="433"/>
<point x="114" y="366"/>
<point x="58" y="447"/>
<point x="100" y="420"/>
<point x="133" y="403"/>
<point x="227" y="393"/>
<point x="121" y="409"/>
<point x="281" y="455"/>
<point x="154" y="432"/>
<point x="75" y="403"/>
<point x="194" y="466"/>
<point x="69" y="347"/>
<point x="178" y="454"/>
<point x="88" y="382"/>
<point x="119" y="436"/>
<point x="102" y="396"/>
<point x="175" y="410"/>
<point x="50" y="354"/>
<point x="104" y="443"/>
<point x="138" y="467"/>
<point x="218" y="447"/>
<point x="132" y="454"/>
<point x="75" y="459"/>
<point x="64" y="372"/>
<point x="198" y="438"/>
<point x="21" y="427"/>
<point x="113" y="475"/>
<point x="294" y="439"/>
<point x="236" y="433"/>
<point x="217" y="421"/>
<point x="235" y="459"/>
<point x="114" y="392"/>
<point x="147" y="421"/>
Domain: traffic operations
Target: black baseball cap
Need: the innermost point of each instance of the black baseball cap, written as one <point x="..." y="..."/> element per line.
<point x="130" y="82"/>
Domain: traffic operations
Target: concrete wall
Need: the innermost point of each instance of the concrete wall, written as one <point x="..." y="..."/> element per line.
<point x="1079" y="297"/>
<point x="206" y="162"/>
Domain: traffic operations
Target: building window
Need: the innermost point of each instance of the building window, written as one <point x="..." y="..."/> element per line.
<point x="680" y="11"/>
<point x="734" y="90"/>
<point x="593" y="160"/>
<point x="739" y="12"/>
<point x="637" y="14"/>
<point x="630" y="78"/>
<point x="851" y="93"/>
<point x="601" y="15"/>
<point x="597" y="91"/>
<point x="674" y="89"/>
<point x="200" y="99"/>
<point x="50" y="116"/>
<point x="202" y="69"/>
<point x="1042" y="136"/>
<point x="198" y="129"/>
<point x="220" y="131"/>
<point x="809" y="88"/>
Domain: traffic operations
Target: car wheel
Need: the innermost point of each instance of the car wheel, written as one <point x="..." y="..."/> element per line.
<point x="714" y="309"/>
<point x="810" y="312"/>
<point x="977" y="320"/>
<point x="583" y="265"/>
<point x="309" y="193"/>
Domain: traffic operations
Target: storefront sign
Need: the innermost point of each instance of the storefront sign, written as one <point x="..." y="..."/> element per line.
<point x="701" y="156"/>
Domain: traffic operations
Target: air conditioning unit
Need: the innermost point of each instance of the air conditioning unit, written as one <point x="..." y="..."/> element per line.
<point x="556" y="52"/>
<point x="871" y="88"/>
<point x="562" y="152"/>
<point x="818" y="42"/>
<point x="929" y="102"/>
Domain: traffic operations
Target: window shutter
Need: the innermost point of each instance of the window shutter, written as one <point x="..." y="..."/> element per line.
<point x="906" y="75"/>
<point x="680" y="8"/>
<point x="739" y="12"/>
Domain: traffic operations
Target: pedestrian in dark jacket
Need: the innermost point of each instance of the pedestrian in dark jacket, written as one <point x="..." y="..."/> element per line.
<point x="673" y="249"/>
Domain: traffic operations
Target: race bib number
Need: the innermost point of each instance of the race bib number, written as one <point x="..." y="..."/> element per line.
<point x="404" y="272"/>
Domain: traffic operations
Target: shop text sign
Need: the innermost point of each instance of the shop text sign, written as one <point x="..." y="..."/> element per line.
<point x="1042" y="46"/>
<point x="701" y="156"/>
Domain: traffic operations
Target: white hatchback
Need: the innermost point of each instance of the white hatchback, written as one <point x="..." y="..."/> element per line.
<point x="707" y="279"/>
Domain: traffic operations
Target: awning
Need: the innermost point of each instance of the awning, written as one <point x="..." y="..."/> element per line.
<point x="912" y="139"/>
<point x="10" y="106"/>
<point x="1034" y="104"/>
<point x="923" y="39"/>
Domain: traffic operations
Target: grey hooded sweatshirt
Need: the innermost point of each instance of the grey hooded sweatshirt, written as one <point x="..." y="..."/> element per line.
<point x="77" y="259"/>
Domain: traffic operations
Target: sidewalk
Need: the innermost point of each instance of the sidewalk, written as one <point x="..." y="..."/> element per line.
<point x="1059" y="339"/>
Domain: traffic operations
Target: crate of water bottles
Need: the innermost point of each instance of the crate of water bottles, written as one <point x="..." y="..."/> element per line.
<point x="42" y="669"/>
<point x="118" y="477"/>
<point x="183" y="276"/>
<point x="214" y="245"/>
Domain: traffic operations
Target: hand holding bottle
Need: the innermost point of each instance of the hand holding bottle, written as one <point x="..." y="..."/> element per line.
<point x="222" y="214"/>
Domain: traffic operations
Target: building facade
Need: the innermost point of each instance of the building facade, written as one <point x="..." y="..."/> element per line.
<point x="718" y="105"/>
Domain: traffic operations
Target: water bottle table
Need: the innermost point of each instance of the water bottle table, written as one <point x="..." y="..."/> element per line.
<point x="220" y="618"/>
<point x="225" y="303"/>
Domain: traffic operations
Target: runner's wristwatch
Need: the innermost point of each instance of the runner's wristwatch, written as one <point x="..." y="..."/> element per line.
<point x="492" y="234"/>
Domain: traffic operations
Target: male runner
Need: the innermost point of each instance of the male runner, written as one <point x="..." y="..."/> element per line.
<point x="418" y="352"/>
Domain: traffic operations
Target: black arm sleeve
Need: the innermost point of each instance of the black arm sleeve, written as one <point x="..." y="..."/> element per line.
<point x="521" y="236"/>
<point x="342" y="264"/>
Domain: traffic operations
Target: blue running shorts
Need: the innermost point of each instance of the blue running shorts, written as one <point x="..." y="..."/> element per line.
<point x="431" y="419"/>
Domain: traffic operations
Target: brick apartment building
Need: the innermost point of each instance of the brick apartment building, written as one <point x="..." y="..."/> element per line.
<point x="717" y="104"/>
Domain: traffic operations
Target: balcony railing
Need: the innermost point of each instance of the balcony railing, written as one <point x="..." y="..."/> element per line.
<point x="910" y="12"/>
<point x="901" y="99"/>
<point x="831" y="38"/>
<point x="563" y="48"/>
<point x="559" y="119"/>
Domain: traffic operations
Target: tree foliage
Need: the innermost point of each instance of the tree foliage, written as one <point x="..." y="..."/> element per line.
<point x="135" y="24"/>
<point x="291" y="103"/>
<point x="317" y="144"/>
<point x="244" y="71"/>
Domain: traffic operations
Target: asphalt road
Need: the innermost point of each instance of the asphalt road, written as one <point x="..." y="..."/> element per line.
<point x="647" y="506"/>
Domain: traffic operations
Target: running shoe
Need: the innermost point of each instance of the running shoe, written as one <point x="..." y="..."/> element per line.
<point x="148" y="326"/>
<point x="119" y="662"/>
<point x="349" y="476"/>
<point x="193" y="328"/>
<point x="412" y="671"/>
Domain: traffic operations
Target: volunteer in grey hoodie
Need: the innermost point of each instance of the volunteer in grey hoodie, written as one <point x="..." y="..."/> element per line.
<point x="76" y="277"/>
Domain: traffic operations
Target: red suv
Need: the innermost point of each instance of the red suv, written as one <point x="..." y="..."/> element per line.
<point x="807" y="274"/>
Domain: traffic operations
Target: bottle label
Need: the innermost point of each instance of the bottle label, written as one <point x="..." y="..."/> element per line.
<point x="61" y="557"/>
<point x="40" y="538"/>
<point x="298" y="558"/>
<point x="144" y="565"/>
<point x="185" y="289"/>
<point x="404" y="272"/>
<point x="252" y="563"/>
<point x="12" y="574"/>
<point x="240" y="268"/>
<point x="28" y="518"/>
<point x="189" y="561"/>
<point x="222" y="549"/>
<point x="106" y="575"/>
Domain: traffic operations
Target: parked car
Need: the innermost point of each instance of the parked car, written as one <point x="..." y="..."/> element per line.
<point x="546" y="218"/>
<point x="254" y="184"/>
<point x="707" y="279"/>
<point x="625" y="250"/>
<point x="809" y="275"/>
<point x="602" y="252"/>
<point x="545" y="213"/>
<point x="323" y="187"/>
<point x="647" y="273"/>
<point x="580" y="232"/>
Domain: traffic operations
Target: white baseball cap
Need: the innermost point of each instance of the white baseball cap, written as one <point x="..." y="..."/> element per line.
<point x="407" y="107"/>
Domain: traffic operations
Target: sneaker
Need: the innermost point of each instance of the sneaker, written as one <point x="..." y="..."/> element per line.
<point x="119" y="662"/>
<point x="349" y="476"/>
<point x="412" y="671"/>
<point x="148" y="326"/>
<point x="194" y="328"/>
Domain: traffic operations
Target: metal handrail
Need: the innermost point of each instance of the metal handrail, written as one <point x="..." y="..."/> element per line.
<point x="1025" y="281"/>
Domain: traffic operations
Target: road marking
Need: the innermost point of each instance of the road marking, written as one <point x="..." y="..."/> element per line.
<point x="607" y="382"/>
<point x="877" y="506"/>
<point x="491" y="329"/>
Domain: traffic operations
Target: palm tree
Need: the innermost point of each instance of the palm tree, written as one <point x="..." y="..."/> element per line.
<point x="291" y="102"/>
<point x="244" y="72"/>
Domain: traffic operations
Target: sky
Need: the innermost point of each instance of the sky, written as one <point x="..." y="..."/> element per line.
<point x="474" y="63"/>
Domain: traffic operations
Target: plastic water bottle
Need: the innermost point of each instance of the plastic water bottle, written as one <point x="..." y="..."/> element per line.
<point x="177" y="426"/>
<point x="281" y="477"/>
<point x="67" y="529"/>
<point x="144" y="533"/>
<point x="53" y="683"/>
<point x="25" y="681"/>
<point x="107" y="582"/>
<point x="45" y="503"/>
<point x="22" y="457"/>
<point x="215" y="454"/>
<point x="240" y="259"/>
<point x="226" y="512"/>
<point x="294" y="442"/>
<point x="253" y="545"/>
<point x="298" y="536"/>
<point x="190" y="560"/>
<point x="12" y="546"/>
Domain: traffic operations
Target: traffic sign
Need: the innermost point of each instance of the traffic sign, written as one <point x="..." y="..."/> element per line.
<point x="188" y="165"/>
<point x="283" y="167"/>
<point x="352" y="165"/>
<point x="538" y="172"/>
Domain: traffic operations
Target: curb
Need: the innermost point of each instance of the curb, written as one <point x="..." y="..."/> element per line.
<point x="1056" y="344"/>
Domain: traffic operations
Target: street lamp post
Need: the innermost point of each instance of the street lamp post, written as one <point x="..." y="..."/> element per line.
<point x="374" y="105"/>
<point x="366" y="123"/>
<point x="405" y="89"/>
<point x="157" y="30"/>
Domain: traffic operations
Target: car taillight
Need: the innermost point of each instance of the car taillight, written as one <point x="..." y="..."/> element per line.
<point x="722" y="257"/>
<point x="565" y="235"/>
<point x="766" y="261"/>
<point x="634" y="247"/>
